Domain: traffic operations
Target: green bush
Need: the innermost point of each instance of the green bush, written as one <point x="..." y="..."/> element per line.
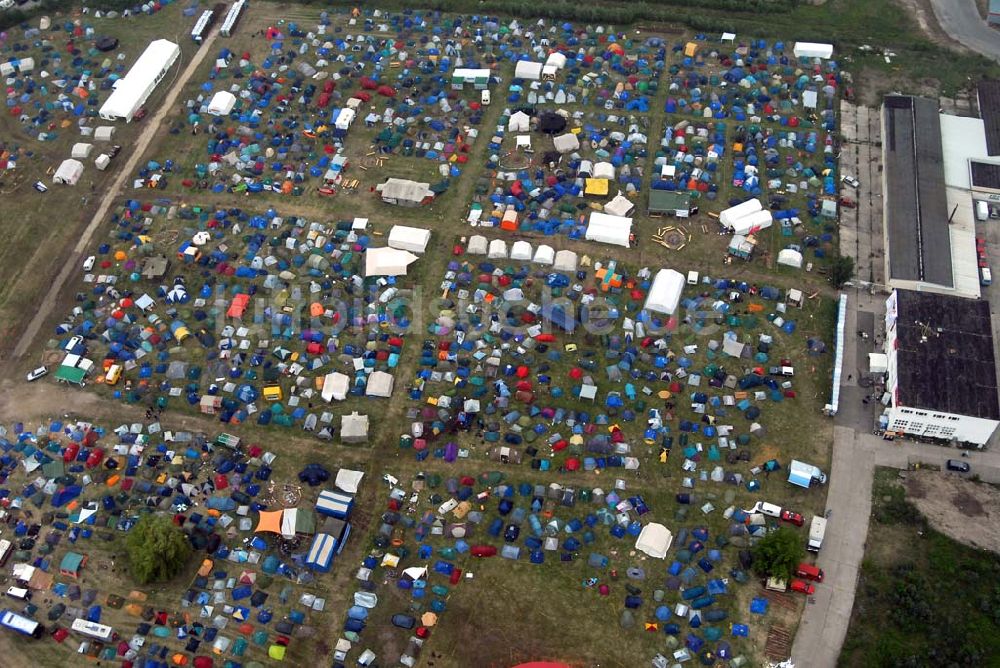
<point x="778" y="553"/>
<point x="157" y="549"/>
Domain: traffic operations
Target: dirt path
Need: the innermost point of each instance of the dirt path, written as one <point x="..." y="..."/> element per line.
<point x="136" y="153"/>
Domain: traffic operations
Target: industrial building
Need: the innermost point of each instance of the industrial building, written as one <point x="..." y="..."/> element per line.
<point x="134" y="89"/>
<point x="929" y="230"/>
<point x="941" y="379"/>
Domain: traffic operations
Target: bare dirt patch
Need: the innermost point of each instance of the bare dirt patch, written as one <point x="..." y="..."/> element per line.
<point x="957" y="506"/>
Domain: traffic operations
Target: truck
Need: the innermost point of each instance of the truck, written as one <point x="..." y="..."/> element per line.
<point x="21" y="624"/>
<point x="817" y="530"/>
<point x="804" y="475"/>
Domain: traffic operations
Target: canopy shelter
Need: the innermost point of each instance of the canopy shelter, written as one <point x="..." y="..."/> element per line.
<point x="619" y="206"/>
<point x="269" y="522"/>
<point x="354" y="428"/>
<point x="335" y="386"/>
<point x="388" y="261"/>
<point x="607" y="229"/>
<point x="69" y="172"/>
<point x="379" y="385"/>
<point x="665" y="293"/>
<point x="413" y="239"/>
<point x="222" y="103"/>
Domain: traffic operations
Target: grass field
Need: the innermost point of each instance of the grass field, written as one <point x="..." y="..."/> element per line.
<point x="912" y="578"/>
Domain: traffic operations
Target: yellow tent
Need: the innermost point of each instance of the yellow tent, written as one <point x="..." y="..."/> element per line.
<point x="276" y="652"/>
<point x="270" y="521"/>
<point x="690" y="49"/>
<point x="597" y="187"/>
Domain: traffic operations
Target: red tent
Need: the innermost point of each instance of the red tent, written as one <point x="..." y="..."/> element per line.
<point x="483" y="551"/>
<point x="387" y="91"/>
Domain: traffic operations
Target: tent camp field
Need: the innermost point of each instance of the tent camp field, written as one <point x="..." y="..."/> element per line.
<point x="232" y="288"/>
<point x="63" y="211"/>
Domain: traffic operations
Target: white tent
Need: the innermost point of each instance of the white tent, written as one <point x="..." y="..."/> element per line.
<point x="344" y="118"/>
<point x="523" y="142"/>
<point x="413" y="239"/>
<point x="654" y="540"/>
<point x="609" y="229"/>
<point x="81" y="150"/>
<point x="69" y="172"/>
<point x="335" y="386"/>
<point x="878" y="363"/>
<point x="813" y="50"/>
<point x="521" y="250"/>
<point x="604" y="170"/>
<point x="353" y="428"/>
<point x="753" y="223"/>
<point x="405" y="192"/>
<point x="665" y="293"/>
<point x="104" y="133"/>
<point x="288" y="518"/>
<point x="556" y="60"/>
<point x="498" y="250"/>
<point x="729" y="216"/>
<point x="526" y="69"/>
<point x="102" y="161"/>
<point x="566" y="143"/>
<point x="518" y="122"/>
<point x="388" y="261"/>
<point x="379" y="385"/>
<point x="790" y="257"/>
<point x="544" y="255"/>
<point x="809" y="99"/>
<point x="619" y="206"/>
<point x="565" y="261"/>
<point x="222" y="103"/>
<point x="134" y="89"/>
<point x="348" y="480"/>
<point x="477" y="245"/>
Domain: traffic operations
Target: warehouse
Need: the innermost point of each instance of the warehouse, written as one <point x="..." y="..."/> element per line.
<point x="929" y="232"/>
<point x="941" y="380"/>
<point x="132" y="92"/>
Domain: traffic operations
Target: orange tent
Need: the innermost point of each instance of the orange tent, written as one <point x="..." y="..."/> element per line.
<point x="270" y="521"/>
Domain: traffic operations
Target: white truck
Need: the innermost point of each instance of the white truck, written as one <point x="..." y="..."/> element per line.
<point x="803" y="474"/>
<point x="817" y="530"/>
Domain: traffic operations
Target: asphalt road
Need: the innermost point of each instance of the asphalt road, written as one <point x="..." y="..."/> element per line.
<point x="961" y="20"/>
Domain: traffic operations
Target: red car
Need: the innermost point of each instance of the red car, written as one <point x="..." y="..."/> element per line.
<point x="803" y="587"/>
<point x="792" y="517"/>
<point x="809" y="572"/>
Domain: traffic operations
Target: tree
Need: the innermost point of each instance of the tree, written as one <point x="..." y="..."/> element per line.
<point x="841" y="270"/>
<point x="778" y="553"/>
<point x="157" y="549"/>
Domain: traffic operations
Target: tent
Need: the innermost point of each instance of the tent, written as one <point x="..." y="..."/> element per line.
<point x="878" y="363"/>
<point x="269" y="521"/>
<point x="526" y="69"/>
<point x="81" y="150"/>
<point x="609" y="229"/>
<point x="498" y="250"/>
<point x="71" y="565"/>
<point x="674" y="202"/>
<point x="790" y="257"/>
<point x="813" y="50"/>
<point x="104" y="133"/>
<point x="388" y="261"/>
<point x="544" y="255"/>
<point x="413" y="239"/>
<point x="379" y="385"/>
<point x="665" y="293"/>
<point x="335" y="386"/>
<point x="556" y="60"/>
<point x="566" y="143"/>
<point x="348" y="480"/>
<point x="354" y="428"/>
<point x="619" y="206"/>
<point x="654" y="540"/>
<point x="132" y="91"/>
<point x="518" y="122"/>
<point x="289" y="519"/>
<point x="521" y="250"/>
<point x="334" y="504"/>
<point x="728" y="217"/>
<point x="320" y="555"/>
<point x="222" y="103"/>
<point x="69" y="172"/>
<point x="604" y="170"/>
<point x="565" y="260"/>
<point x="477" y="245"/>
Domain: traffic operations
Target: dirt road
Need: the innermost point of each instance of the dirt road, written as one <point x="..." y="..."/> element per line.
<point x="72" y="265"/>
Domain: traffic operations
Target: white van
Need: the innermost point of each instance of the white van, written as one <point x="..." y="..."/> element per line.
<point x="692" y="278"/>
<point x="486" y="98"/>
<point x="20" y="593"/>
<point x="88" y="264"/>
<point x="766" y="508"/>
<point x="982" y="211"/>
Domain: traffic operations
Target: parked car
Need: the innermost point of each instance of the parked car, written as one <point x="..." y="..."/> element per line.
<point x="809" y="572"/>
<point x="792" y="517"/>
<point x="803" y="587"/>
<point x="88" y="264"/>
<point x="958" y="465"/>
<point x="850" y="180"/>
<point x="35" y="374"/>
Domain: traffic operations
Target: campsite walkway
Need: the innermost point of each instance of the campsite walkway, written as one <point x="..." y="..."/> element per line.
<point x="136" y="152"/>
<point x="961" y="20"/>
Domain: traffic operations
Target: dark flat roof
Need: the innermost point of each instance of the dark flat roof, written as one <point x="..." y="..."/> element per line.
<point x="985" y="174"/>
<point x="917" y="210"/>
<point x="989" y="109"/>
<point x="945" y="354"/>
